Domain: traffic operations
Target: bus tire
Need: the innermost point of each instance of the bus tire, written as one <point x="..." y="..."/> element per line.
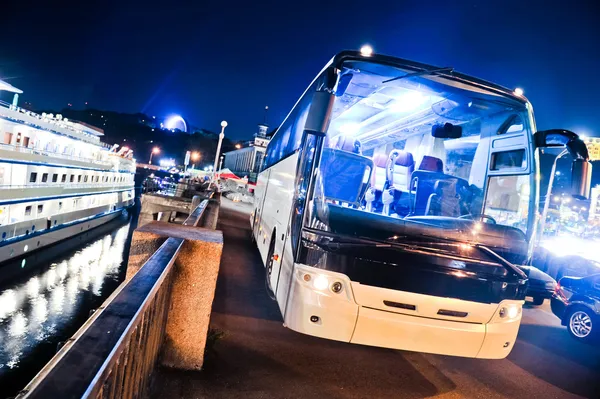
<point x="269" y="268"/>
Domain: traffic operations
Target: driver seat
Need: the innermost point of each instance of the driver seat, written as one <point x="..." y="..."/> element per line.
<point x="445" y="200"/>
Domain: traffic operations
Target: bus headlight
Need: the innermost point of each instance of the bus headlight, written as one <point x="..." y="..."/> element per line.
<point x="321" y="282"/>
<point x="325" y="283"/>
<point x="336" y="287"/>
<point x="511" y="311"/>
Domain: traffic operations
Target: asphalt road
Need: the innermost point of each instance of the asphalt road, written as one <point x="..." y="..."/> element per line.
<point x="259" y="358"/>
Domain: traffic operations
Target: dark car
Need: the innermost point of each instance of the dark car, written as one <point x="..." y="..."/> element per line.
<point x="541" y="285"/>
<point x="576" y="302"/>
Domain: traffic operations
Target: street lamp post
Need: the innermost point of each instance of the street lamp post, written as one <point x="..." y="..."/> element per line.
<point x="221" y="136"/>
<point x="220" y="165"/>
<point x="548" y="194"/>
<point x="195" y="158"/>
<point x="155" y="150"/>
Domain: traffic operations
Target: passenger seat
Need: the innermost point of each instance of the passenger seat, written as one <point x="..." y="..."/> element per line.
<point x="403" y="169"/>
<point x="422" y="183"/>
<point x="431" y="164"/>
<point x="348" y="144"/>
<point x="378" y="181"/>
<point x="445" y="200"/>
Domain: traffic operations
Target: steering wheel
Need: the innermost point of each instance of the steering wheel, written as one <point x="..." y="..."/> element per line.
<point x="490" y="219"/>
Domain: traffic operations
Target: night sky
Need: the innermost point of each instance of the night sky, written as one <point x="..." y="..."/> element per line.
<point x="214" y="60"/>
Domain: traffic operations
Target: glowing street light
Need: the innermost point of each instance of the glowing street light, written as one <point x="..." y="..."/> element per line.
<point x="195" y="157"/>
<point x="238" y="146"/>
<point x="518" y="92"/>
<point x="221" y="136"/>
<point x="155" y="150"/>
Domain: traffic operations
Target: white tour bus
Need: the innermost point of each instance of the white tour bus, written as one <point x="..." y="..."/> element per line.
<point x="396" y="200"/>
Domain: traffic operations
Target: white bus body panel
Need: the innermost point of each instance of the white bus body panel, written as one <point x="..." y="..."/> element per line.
<point x="275" y="217"/>
<point x="341" y="318"/>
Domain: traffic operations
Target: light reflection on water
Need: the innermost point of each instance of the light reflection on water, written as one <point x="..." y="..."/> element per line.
<point x="33" y="311"/>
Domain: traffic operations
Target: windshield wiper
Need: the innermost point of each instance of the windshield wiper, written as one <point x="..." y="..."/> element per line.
<point x="421" y="73"/>
<point x="501" y="260"/>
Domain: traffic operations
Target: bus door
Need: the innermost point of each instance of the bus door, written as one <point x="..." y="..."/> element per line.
<point x="262" y="186"/>
<point x="282" y="273"/>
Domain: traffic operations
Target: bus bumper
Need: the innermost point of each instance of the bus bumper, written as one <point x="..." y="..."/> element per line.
<point x="313" y="308"/>
<point x="399" y="331"/>
<point x="320" y="311"/>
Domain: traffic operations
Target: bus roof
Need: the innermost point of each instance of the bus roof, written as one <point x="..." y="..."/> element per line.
<point x="348" y="55"/>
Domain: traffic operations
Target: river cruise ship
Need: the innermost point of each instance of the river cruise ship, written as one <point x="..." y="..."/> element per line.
<point x="57" y="179"/>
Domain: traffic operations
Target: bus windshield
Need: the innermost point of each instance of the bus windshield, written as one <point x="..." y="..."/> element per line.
<point x="425" y="149"/>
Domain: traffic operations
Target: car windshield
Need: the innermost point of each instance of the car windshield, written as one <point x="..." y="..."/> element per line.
<point x="424" y="149"/>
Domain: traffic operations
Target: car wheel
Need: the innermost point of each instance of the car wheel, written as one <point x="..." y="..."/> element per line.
<point x="538" y="300"/>
<point x="582" y="324"/>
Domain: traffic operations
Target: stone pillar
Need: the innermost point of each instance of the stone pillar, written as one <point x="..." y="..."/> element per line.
<point x="195" y="280"/>
<point x="194" y="283"/>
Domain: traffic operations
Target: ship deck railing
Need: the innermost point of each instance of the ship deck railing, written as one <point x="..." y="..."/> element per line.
<point x="29" y="150"/>
<point x="65" y="185"/>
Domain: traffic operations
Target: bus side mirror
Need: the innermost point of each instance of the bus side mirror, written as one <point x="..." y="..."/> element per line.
<point x="581" y="169"/>
<point x="581" y="178"/>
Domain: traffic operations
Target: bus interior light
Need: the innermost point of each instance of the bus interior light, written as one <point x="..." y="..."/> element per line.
<point x="409" y="102"/>
<point x="350" y="129"/>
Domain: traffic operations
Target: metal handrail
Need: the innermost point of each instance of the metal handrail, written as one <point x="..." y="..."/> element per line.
<point x="112" y="356"/>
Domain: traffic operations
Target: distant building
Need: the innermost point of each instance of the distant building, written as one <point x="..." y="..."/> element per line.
<point x="593" y="146"/>
<point x="248" y="160"/>
<point x="594" y="203"/>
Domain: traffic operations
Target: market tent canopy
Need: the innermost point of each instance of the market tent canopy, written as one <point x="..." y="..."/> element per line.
<point x="227" y="174"/>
